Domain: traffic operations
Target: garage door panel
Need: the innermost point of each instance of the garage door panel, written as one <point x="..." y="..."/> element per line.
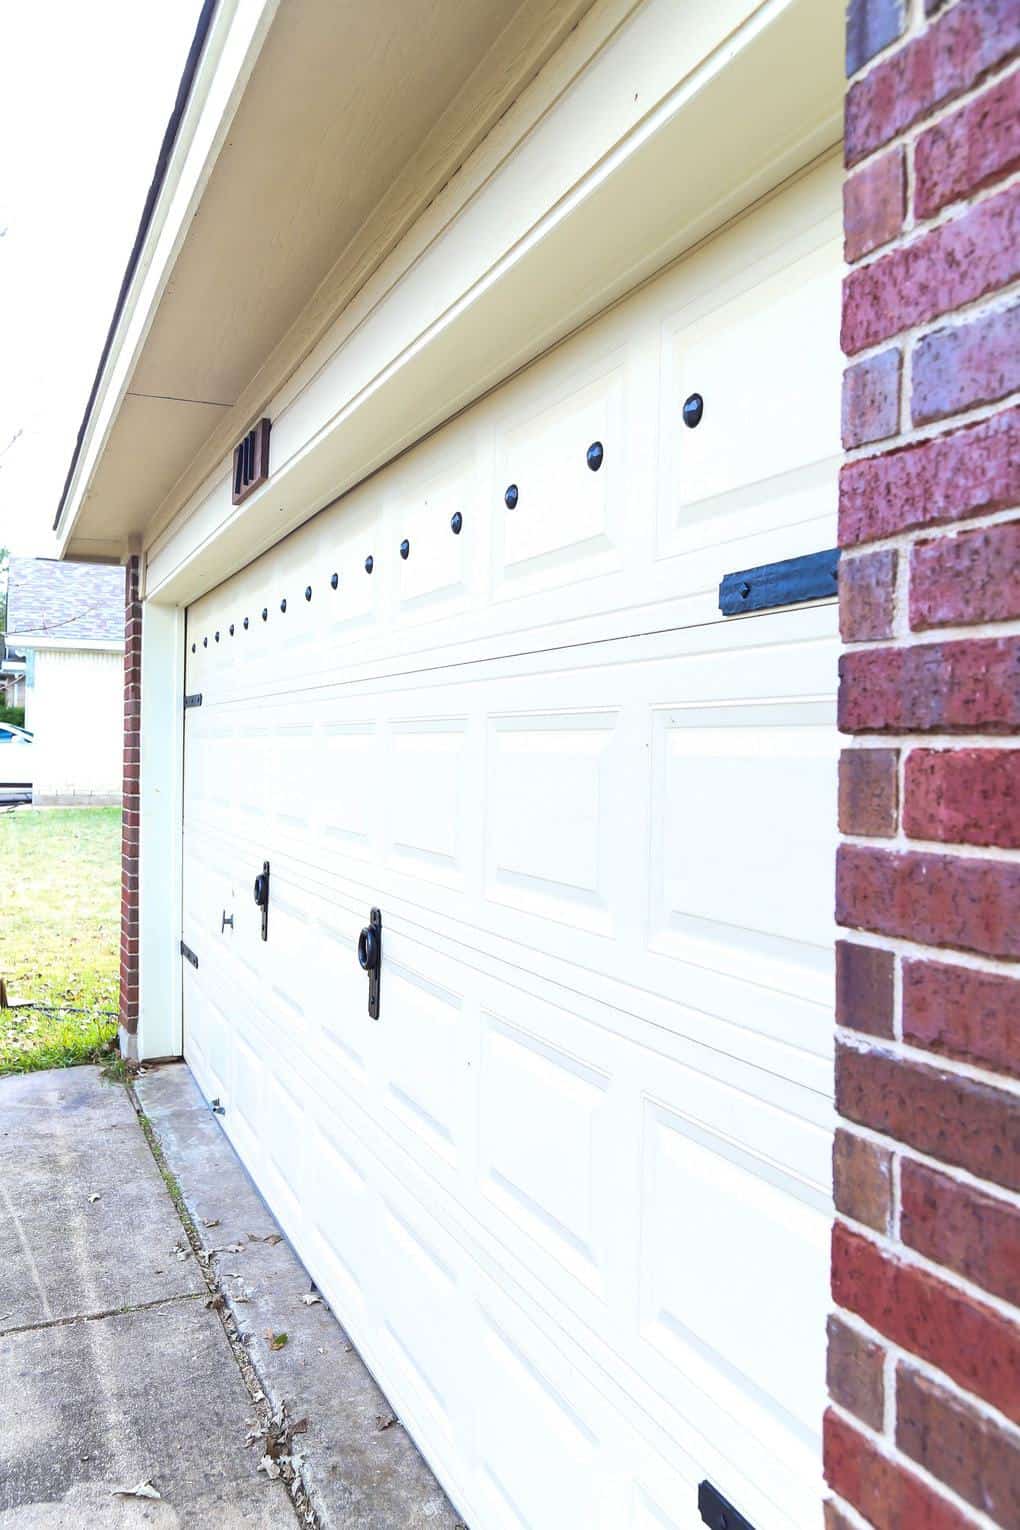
<point x="423" y="1057"/>
<point x="739" y="791"/>
<point x="549" y="777"/>
<point x="427" y="765"/>
<point x="422" y="1272"/>
<point x="570" y="1191"/>
<point x="441" y="571"/>
<point x="337" y="1221"/>
<point x="706" y="1300"/>
<point x="541" y="1446"/>
<point x="545" y="1146"/>
<point x="347" y="755"/>
<point x="567" y="521"/>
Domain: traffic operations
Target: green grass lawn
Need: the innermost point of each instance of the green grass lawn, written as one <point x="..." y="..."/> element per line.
<point x="59" y="935"/>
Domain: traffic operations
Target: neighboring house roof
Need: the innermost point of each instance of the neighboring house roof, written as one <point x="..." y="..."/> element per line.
<point x="67" y="603"/>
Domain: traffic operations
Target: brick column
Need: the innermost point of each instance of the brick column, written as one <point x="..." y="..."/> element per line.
<point x="129" y="830"/>
<point x="924" y="1347"/>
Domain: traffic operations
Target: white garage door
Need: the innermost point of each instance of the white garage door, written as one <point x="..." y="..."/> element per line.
<point x="570" y="1192"/>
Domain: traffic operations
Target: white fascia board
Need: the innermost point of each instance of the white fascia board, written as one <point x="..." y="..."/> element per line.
<point x="42" y="644"/>
<point x="680" y="120"/>
<point x="231" y="49"/>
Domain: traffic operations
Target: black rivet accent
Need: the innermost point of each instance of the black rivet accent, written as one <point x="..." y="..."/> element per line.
<point x="308" y="592"/>
<point x="511" y="497"/>
<point x="231" y="629"/>
<point x="594" y="455"/>
<point x="205" y="642"/>
<point x="283" y="604"/>
<point x="456" y="522"/>
<point x="694" y="408"/>
<point x="193" y="648"/>
<point x="369" y="564"/>
<point x="745" y="589"/>
<point x="217" y="636"/>
<point x="265" y="613"/>
<point x="246" y="624"/>
<point x="405" y="548"/>
<point x="334" y="581"/>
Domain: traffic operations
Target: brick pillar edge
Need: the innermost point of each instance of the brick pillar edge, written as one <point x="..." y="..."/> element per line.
<point x="924" y="1344"/>
<point x="129" y="829"/>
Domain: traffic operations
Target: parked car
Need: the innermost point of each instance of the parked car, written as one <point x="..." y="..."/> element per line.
<point x="15" y="764"/>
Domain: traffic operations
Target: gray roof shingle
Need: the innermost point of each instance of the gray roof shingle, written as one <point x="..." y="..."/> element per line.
<point x="48" y="600"/>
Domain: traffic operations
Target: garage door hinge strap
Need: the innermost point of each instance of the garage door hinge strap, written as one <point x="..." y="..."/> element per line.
<point x="715" y="1510"/>
<point x="189" y="955"/>
<point x="811" y="577"/>
<point x="194" y="700"/>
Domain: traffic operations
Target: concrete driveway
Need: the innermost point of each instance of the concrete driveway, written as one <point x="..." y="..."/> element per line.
<point x="143" y="1290"/>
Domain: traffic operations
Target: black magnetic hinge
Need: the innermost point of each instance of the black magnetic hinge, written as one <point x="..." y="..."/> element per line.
<point x="370" y="959"/>
<point x="811" y="577"/>
<point x="717" y="1512"/>
<point x="262" y="897"/>
<point x="194" y="700"/>
<point x="189" y="955"/>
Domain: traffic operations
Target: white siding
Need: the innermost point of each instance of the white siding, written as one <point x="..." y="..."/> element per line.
<point x="76" y="712"/>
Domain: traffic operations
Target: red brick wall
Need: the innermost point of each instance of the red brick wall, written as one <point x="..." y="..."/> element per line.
<point x="129" y="831"/>
<point x="924" y="1344"/>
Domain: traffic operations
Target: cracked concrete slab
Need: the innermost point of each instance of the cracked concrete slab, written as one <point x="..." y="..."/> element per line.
<point x="149" y="1389"/>
<point x="141" y="1396"/>
<point x="361" y="1471"/>
<point x="86" y="1225"/>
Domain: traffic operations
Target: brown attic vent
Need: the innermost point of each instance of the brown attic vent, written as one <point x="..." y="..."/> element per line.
<point x="251" y="462"/>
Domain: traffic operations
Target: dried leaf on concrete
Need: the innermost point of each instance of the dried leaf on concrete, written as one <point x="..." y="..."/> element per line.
<point x="140" y="1490"/>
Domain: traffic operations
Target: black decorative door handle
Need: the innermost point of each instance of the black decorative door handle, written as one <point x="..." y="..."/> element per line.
<point x="262" y="897"/>
<point x="370" y="958"/>
<point x="368" y="949"/>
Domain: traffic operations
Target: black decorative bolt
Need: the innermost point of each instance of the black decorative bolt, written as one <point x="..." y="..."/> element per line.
<point x="265" y="613"/>
<point x="205" y="642"/>
<point x="246" y="624"/>
<point x="231" y="629"/>
<point x="308" y="592"/>
<point x="594" y="456"/>
<point x="405" y="548"/>
<point x="334" y="581"/>
<point x="511" y="497"/>
<point x="193" y="648"/>
<point x="456" y="522"/>
<point x="694" y="408"/>
<point x="369" y="564"/>
<point x="217" y="635"/>
<point x="745" y="590"/>
<point x="283" y="604"/>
